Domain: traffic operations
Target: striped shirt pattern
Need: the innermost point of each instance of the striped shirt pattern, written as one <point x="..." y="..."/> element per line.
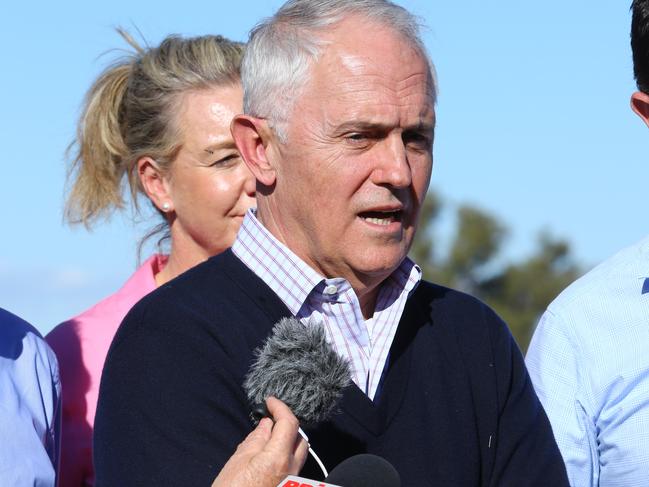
<point x="333" y="302"/>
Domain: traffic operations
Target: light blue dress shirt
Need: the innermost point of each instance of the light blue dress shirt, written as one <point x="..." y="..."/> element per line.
<point x="30" y="412"/>
<point x="589" y="362"/>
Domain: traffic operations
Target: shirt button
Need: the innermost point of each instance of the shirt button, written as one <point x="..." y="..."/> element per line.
<point x="331" y="290"/>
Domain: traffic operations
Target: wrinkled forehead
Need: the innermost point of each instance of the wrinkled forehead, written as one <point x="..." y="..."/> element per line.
<point x="364" y="63"/>
<point x="357" y="50"/>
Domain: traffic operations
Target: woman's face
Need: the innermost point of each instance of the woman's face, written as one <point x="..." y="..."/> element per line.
<point x="209" y="186"/>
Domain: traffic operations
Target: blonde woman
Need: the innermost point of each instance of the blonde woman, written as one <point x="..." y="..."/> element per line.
<point x="159" y="120"/>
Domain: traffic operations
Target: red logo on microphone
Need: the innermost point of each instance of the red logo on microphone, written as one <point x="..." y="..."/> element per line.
<point x="293" y="481"/>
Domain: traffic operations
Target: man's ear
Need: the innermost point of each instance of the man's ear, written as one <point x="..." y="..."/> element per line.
<point x="640" y="105"/>
<point x="253" y="138"/>
<point x="154" y="184"/>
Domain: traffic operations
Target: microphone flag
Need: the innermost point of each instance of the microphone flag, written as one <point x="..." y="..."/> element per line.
<point x="294" y="481"/>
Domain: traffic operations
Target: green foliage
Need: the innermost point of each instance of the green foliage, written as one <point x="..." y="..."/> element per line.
<point x="518" y="291"/>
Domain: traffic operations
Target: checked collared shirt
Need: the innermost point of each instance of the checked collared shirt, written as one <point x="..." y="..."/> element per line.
<point x="313" y="298"/>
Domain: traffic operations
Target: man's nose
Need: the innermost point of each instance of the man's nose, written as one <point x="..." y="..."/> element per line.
<point x="393" y="168"/>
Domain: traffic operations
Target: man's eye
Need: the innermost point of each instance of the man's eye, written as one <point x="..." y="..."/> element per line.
<point x="360" y="139"/>
<point x="417" y="140"/>
<point x="357" y="136"/>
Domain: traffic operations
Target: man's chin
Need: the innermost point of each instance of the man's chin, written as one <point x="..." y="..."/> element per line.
<point x="380" y="264"/>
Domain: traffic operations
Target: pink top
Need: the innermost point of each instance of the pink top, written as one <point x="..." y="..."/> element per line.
<point x="81" y="345"/>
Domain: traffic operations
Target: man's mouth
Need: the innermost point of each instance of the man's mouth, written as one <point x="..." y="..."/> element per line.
<point x="382" y="218"/>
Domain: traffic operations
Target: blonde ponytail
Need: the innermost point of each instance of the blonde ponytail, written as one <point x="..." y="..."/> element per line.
<point x="98" y="164"/>
<point x="128" y="113"/>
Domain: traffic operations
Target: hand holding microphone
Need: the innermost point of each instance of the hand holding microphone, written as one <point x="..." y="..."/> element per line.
<point x="268" y="454"/>
<point x="298" y="365"/>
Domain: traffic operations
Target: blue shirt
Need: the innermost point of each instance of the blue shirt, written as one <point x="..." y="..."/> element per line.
<point x="589" y="362"/>
<point x="30" y="398"/>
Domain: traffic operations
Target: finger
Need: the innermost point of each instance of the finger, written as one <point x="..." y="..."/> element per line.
<point x="300" y="453"/>
<point x="257" y="439"/>
<point x="278" y="409"/>
<point x="285" y="430"/>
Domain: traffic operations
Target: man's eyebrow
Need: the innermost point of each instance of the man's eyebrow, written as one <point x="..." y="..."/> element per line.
<point x="361" y="125"/>
<point x="422" y="127"/>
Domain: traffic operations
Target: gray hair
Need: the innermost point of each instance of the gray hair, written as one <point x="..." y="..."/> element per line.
<point x="282" y="49"/>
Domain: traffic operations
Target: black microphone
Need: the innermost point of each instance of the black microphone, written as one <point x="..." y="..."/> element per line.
<point x="298" y="366"/>
<point x="364" y="470"/>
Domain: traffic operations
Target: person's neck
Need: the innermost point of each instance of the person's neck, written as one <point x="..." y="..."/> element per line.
<point x="181" y="258"/>
<point x="367" y="301"/>
<point x="365" y="287"/>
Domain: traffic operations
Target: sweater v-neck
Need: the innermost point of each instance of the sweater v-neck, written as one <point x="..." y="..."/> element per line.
<point x="373" y="416"/>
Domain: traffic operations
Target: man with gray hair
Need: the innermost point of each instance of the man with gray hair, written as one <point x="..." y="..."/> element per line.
<point x="338" y="129"/>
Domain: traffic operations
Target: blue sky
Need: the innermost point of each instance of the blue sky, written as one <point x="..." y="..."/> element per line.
<point x="534" y="125"/>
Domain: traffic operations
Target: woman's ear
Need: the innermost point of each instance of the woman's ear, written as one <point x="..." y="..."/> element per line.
<point x="254" y="141"/>
<point x="640" y="105"/>
<point x="154" y="183"/>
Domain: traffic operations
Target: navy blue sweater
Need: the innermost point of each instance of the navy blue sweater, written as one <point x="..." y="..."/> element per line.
<point x="456" y="407"/>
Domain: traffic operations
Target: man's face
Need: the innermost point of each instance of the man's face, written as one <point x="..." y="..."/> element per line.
<point x="355" y="169"/>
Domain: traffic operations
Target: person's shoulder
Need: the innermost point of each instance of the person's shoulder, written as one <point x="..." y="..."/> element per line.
<point x="466" y="315"/>
<point x="601" y="319"/>
<point x="215" y="271"/>
<point x="599" y="292"/>
<point x="15" y="332"/>
<point x="12" y="326"/>
<point x="99" y="323"/>
<point x="216" y="307"/>
<point x="205" y="295"/>
<point x="481" y="339"/>
<point x="20" y="341"/>
<point x="445" y="300"/>
<point x="203" y="284"/>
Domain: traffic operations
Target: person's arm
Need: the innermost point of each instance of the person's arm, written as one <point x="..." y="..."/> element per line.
<point x="558" y="371"/>
<point x="526" y="452"/>
<point x="268" y="454"/>
<point x="30" y="394"/>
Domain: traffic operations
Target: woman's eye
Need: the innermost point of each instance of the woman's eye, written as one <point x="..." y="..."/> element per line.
<point x="224" y="161"/>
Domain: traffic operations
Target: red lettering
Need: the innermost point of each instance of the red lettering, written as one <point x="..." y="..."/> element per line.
<point x="291" y="483"/>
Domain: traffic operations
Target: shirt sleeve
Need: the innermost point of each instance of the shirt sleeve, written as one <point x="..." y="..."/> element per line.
<point x="557" y="369"/>
<point x="30" y="395"/>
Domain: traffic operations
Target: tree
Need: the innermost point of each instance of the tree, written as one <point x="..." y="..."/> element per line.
<point x="518" y="291"/>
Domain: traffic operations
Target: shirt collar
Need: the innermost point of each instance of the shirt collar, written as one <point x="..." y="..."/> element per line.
<point x="288" y="275"/>
<point x="278" y="266"/>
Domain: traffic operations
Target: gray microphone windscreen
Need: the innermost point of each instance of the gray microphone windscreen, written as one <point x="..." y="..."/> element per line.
<point x="298" y="366"/>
